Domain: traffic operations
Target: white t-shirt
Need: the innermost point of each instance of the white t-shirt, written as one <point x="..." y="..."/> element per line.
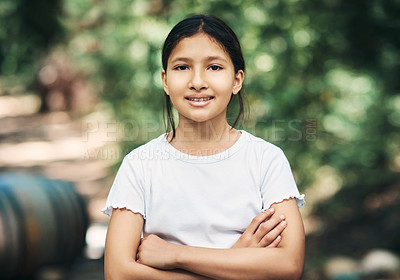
<point x="205" y="201"/>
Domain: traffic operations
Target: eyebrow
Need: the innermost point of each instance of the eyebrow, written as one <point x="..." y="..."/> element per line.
<point x="208" y="58"/>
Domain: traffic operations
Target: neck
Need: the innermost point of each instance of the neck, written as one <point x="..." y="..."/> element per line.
<point x="202" y="132"/>
<point x="204" y="138"/>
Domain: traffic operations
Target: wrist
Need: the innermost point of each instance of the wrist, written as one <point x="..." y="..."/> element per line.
<point x="179" y="256"/>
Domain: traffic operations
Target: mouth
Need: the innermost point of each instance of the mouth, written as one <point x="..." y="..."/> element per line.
<point x="199" y="99"/>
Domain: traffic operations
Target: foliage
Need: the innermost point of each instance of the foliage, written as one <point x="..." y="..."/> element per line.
<point x="322" y="80"/>
<point x="29" y="29"/>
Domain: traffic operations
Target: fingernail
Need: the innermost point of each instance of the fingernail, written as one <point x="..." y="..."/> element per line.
<point x="272" y="210"/>
<point x="283" y="224"/>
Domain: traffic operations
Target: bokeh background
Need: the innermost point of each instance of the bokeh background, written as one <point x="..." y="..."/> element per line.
<point x="80" y="87"/>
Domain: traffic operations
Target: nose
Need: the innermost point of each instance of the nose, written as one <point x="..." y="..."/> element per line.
<point x="198" y="80"/>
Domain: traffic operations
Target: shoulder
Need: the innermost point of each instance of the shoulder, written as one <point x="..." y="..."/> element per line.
<point x="261" y="146"/>
<point x="264" y="152"/>
<point x="151" y="149"/>
<point x="142" y="156"/>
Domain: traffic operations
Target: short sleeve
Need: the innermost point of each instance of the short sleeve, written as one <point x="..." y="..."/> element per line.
<point x="278" y="183"/>
<point x="127" y="190"/>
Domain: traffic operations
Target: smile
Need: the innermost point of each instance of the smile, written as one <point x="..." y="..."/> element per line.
<point x="199" y="99"/>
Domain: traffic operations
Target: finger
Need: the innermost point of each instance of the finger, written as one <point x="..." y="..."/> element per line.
<point x="138" y="255"/>
<point x="257" y="220"/>
<point x="271" y="236"/>
<point x="268" y="226"/>
<point x="276" y="242"/>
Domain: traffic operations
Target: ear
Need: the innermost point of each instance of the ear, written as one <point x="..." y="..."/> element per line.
<point x="238" y="82"/>
<point x="164" y="79"/>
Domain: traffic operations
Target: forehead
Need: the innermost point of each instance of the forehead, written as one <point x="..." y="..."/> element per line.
<point x="198" y="46"/>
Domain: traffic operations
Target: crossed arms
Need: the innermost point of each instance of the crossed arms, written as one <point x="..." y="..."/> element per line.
<point x="264" y="251"/>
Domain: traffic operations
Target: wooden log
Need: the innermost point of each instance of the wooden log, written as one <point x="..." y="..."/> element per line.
<point x="42" y="222"/>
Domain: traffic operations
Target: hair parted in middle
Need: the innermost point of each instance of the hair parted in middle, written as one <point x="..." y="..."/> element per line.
<point x="219" y="31"/>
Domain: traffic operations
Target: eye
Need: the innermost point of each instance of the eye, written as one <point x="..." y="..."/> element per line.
<point x="215" y="67"/>
<point x="181" y="67"/>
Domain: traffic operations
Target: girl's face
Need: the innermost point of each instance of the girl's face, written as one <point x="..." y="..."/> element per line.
<point x="200" y="79"/>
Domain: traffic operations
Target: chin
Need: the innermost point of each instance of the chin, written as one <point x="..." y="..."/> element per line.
<point x="200" y="120"/>
<point x="197" y="119"/>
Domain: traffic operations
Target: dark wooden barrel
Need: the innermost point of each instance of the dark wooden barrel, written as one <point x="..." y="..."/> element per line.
<point x="42" y="222"/>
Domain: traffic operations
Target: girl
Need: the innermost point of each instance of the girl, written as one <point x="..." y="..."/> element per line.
<point x="201" y="194"/>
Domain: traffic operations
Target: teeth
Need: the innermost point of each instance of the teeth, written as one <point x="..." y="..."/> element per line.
<point x="199" y="99"/>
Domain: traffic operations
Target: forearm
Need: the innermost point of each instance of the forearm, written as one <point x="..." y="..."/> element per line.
<point x="241" y="263"/>
<point x="133" y="270"/>
<point x="123" y="238"/>
<point x="283" y="262"/>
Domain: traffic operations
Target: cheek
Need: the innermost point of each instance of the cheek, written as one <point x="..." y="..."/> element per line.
<point x="175" y="83"/>
<point x="223" y="85"/>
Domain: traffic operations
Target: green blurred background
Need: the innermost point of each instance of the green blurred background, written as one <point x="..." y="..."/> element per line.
<point x="322" y="81"/>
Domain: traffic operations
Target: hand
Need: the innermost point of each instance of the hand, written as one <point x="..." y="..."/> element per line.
<point x="263" y="231"/>
<point x="156" y="252"/>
